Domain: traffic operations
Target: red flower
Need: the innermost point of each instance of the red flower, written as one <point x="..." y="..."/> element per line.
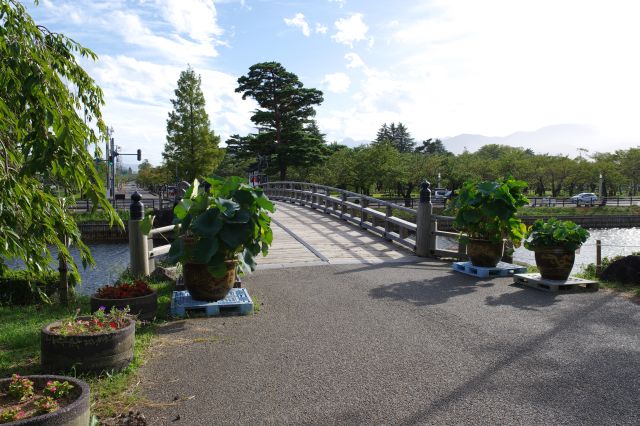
<point x="113" y="324"/>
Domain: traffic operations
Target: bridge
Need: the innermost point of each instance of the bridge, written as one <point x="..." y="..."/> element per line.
<point x="317" y="224"/>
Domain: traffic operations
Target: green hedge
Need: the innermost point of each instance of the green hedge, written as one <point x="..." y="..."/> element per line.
<point x="22" y="288"/>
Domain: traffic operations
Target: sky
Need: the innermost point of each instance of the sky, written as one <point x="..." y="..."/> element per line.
<point x="441" y="67"/>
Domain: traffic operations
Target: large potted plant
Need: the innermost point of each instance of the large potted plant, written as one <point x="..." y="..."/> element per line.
<point x="486" y="212"/>
<point x="44" y="400"/>
<point x="222" y="229"/>
<point x="555" y="243"/>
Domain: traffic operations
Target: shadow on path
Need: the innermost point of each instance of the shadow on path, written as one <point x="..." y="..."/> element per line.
<point x="428" y="292"/>
<point x="528" y="299"/>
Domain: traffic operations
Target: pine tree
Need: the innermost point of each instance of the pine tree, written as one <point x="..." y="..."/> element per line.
<point x="398" y="136"/>
<point x="192" y="147"/>
<point x="286" y="132"/>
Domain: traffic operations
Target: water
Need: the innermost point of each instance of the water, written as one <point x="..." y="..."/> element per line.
<point x="111" y="261"/>
<point x="615" y="242"/>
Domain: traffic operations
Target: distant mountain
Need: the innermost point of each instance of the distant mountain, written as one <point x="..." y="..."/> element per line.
<point x="558" y="139"/>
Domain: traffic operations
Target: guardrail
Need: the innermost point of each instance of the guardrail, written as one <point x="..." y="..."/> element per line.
<point x="419" y="236"/>
<point x="142" y="254"/>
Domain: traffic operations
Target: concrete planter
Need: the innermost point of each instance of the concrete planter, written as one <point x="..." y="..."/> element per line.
<point x="484" y="253"/>
<point x="143" y="307"/>
<point x="74" y="414"/>
<point x="204" y="286"/>
<point x="111" y="351"/>
<point x="554" y="263"/>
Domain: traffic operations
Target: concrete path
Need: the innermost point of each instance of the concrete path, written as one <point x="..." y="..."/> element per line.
<point x="400" y="344"/>
<point x="304" y="237"/>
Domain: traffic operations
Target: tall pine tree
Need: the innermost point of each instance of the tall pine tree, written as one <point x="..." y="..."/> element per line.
<point x="286" y="131"/>
<point x="398" y="135"/>
<point x="192" y="147"/>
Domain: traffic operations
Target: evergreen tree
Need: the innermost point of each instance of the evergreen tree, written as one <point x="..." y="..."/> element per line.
<point x="192" y="147"/>
<point x="398" y="136"/>
<point x="286" y="132"/>
<point x="433" y="146"/>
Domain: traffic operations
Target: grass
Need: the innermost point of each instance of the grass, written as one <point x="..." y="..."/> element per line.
<point x="111" y="394"/>
<point x="580" y="211"/>
<point x="589" y="273"/>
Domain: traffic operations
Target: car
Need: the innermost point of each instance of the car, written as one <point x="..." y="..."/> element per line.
<point x="584" y="198"/>
<point x="441" y="193"/>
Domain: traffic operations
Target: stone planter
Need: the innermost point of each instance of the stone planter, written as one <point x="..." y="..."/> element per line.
<point x="74" y="414"/>
<point x="484" y="253"/>
<point x="554" y="263"/>
<point x="111" y="351"/>
<point x="143" y="307"/>
<point x="204" y="286"/>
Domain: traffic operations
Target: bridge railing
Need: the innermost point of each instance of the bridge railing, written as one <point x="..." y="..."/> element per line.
<point x="419" y="234"/>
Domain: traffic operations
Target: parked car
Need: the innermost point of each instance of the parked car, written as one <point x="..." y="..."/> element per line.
<point x="584" y="198"/>
<point x="441" y="193"/>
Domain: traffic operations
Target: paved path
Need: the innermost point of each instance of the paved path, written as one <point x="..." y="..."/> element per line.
<point x="304" y="237"/>
<point x="400" y="344"/>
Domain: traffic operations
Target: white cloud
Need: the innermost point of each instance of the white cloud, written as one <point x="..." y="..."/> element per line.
<point x="341" y="3"/>
<point x="337" y="82"/>
<point x="321" y="29"/>
<point x="350" y="30"/>
<point x="299" y="21"/>
<point x="197" y="18"/>
<point x="354" y="60"/>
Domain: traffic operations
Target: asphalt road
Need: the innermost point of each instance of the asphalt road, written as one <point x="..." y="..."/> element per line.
<point x="400" y="344"/>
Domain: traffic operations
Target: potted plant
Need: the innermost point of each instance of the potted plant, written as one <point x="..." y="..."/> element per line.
<point x="486" y="212"/>
<point x="99" y="342"/>
<point x="141" y="299"/>
<point x="555" y="243"/>
<point x="44" y="400"/>
<point x="221" y="231"/>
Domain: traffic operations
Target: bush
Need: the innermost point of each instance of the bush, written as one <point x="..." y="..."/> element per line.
<point x="24" y="288"/>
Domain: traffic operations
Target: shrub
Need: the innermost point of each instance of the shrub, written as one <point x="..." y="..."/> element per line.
<point x="24" y="288"/>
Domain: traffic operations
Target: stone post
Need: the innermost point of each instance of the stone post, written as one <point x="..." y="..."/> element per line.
<point x="423" y="222"/>
<point x="138" y="242"/>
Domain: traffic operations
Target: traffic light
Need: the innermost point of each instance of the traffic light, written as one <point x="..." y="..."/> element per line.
<point x="139" y="154"/>
<point x="111" y="160"/>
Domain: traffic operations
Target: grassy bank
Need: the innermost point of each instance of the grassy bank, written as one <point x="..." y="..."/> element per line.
<point x="579" y="211"/>
<point x="20" y="350"/>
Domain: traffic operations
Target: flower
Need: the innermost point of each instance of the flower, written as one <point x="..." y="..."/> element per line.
<point x="102" y="308"/>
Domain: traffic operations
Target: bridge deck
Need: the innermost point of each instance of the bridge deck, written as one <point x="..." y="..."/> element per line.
<point x="304" y="236"/>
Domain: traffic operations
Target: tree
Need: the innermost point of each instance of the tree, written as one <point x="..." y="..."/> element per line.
<point x="433" y="146"/>
<point x="286" y="132"/>
<point x="192" y="147"/>
<point x="43" y="142"/>
<point x="398" y="136"/>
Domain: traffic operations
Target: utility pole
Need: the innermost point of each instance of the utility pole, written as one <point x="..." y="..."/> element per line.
<point x="107" y="152"/>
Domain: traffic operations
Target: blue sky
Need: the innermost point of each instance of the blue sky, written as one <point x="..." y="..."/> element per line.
<point x="442" y="67"/>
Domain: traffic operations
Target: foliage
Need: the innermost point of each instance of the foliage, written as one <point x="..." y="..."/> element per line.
<point x="98" y="323"/>
<point x="287" y="136"/>
<point x="124" y="290"/>
<point x="191" y="148"/>
<point x="56" y="389"/>
<point x="488" y="210"/>
<point x="228" y="222"/>
<point x="554" y="233"/>
<point x="43" y="140"/>
<point x="433" y="146"/>
<point x="21" y="287"/>
<point x="20" y="388"/>
<point x="46" y="404"/>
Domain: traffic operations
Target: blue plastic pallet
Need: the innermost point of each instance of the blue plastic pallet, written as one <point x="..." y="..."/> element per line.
<point x="237" y="301"/>
<point x="502" y="269"/>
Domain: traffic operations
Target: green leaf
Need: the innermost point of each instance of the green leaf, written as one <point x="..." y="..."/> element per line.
<point x="176" y="252"/>
<point x="146" y="224"/>
<point x="227" y="207"/>
<point x="207" y="224"/>
<point x="242" y="216"/>
<point x="265" y="203"/>
<point x="205" y="249"/>
<point x="235" y="235"/>
<point x="217" y="266"/>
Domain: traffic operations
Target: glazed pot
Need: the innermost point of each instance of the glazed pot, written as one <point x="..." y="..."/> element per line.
<point x="204" y="286"/>
<point x="484" y="253"/>
<point x="554" y="263"/>
<point x="75" y="413"/>
<point x="142" y="307"/>
<point x="110" y="351"/>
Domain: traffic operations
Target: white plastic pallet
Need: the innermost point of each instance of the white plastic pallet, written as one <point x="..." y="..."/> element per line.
<point x="554" y="286"/>
<point x="502" y="269"/>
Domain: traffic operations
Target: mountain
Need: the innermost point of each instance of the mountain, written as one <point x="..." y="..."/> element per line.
<point x="558" y="139"/>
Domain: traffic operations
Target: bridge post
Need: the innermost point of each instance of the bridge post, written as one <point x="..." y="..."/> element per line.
<point x="423" y="222"/>
<point x="343" y="206"/>
<point x="314" y="197"/>
<point x="363" y="205"/>
<point x="387" y="224"/>
<point x="138" y="242"/>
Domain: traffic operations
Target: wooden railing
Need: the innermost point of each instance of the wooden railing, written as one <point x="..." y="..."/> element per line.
<point x="420" y="235"/>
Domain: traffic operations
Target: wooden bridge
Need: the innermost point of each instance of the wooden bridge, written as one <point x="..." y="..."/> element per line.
<point x="316" y="224"/>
